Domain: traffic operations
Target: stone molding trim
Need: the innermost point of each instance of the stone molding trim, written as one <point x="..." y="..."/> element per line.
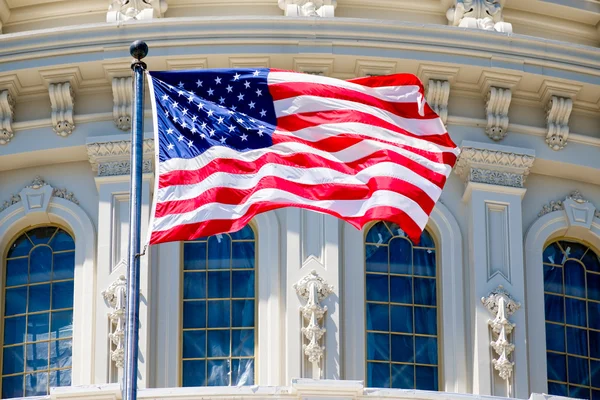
<point x="115" y="296"/>
<point x="438" y="92"/>
<point x="478" y="14"/>
<point x="122" y="89"/>
<point x="579" y="211"/>
<point x="307" y="8"/>
<point x="62" y="101"/>
<point x="501" y="304"/>
<point x="496" y="165"/>
<point x="558" y="112"/>
<point x="125" y="10"/>
<point x="37" y="200"/>
<point x="313" y="289"/>
<point x="113" y="158"/>
<point x="497" y="104"/>
<point x="7" y="112"/>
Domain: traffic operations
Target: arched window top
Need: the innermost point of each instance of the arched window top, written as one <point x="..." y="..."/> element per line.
<point x="38" y="312"/>
<point x="382" y="232"/>
<point x="572" y="314"/>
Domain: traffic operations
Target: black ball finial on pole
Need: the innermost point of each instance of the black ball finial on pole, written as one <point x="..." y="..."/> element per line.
<point x="138" y="50"/>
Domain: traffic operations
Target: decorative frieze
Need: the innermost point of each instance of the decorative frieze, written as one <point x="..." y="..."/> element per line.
<point x="7" y="110"/>
<point x="558" y="112"/>
<point x="113" y="158"/>
<point x="313" y="289"/>
<point x="438" y="93"/>
<point x="501" y="304"/>
<point x="308" y="8"/>
<point x="116" y="298"/>
<point x="31" y="191"/>
<point x="478" y="14"/>
<point x="498" y="167"/>
<point x="122" y="93"/>
<point x="61" y="99"/>
<point x="125" y="10"/>
<point x="497" y="104"/>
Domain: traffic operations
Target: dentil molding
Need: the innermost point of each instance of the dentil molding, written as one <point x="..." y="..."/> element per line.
<point x="62" y="101"/>
<point x="308" y="8"/>
<point x="478" y="14"/>
<point x="497" y="104"/>
<point x="7" y="110"/>
<point x="113" y="158"/>
<point x="125" y="10"/>
<point x="558" y="112"/>
<point x="438" y="92"/>
<point x="36" y="196"/>
<point x="497" y="165"/>
<point x="122" y="89"/>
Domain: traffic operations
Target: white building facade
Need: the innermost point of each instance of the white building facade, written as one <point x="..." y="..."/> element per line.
<point x="501" y="297"/>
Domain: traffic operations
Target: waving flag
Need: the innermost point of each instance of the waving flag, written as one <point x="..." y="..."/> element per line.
<point x="234" y="143"/>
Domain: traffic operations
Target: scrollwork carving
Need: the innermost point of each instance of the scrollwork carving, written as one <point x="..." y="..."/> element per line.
<point x="116" y="298"/>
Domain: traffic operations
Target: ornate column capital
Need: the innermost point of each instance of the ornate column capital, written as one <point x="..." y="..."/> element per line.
<point x="494" y="164"/>
<point x="113" y="158"/>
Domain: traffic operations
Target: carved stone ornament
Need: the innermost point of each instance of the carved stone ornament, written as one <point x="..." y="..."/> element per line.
<point x="478" y="14"/>
<point x="495" y="167"/>
<point x="497" y="104"/>
<point x="313" y="289"/>
<point x="438" y="93"/>
<point x="36" y="185"/>
<point x="116" y="298"/>
<point x="7" y="111"/>
<point x="308" y="8"/>
<point x="62" y="101"/>
<point x="557" y="205"/>
<point x="122" y="89"/>
<point x="125" y="10"/>
<point x="557" y="119"/>
<point x="501" y="304"/>
<point x="113" y="158"/>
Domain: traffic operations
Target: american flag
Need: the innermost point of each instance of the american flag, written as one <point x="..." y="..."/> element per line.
<point x="234" y="143"/>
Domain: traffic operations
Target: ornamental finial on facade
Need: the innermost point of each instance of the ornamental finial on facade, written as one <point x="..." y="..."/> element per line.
<point x="62" y="101"/>
<point x="558" y="112"/>
<point x="7" y="111"/>
<point x="125" y="10"/>
<point x="478" y="14"/>
<point x="308" y="8"/>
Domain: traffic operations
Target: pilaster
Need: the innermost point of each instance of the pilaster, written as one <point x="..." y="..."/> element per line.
<point x="312" y="285"/>
<point x="495" y="179"/>
<point x="111" y="161"/>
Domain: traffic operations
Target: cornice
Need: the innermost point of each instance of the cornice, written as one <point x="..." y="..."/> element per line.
<point x="110" y="158"/>
<point x="494" y="164"/>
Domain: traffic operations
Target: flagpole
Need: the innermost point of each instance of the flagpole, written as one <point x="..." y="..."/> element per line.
<point x="138" y="50"/>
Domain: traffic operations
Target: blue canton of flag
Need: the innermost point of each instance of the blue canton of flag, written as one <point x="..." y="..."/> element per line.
<point x="196" y="110"/>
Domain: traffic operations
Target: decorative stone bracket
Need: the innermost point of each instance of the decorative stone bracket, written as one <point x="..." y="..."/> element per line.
<point x="438" y="93"/>
<point x="313" y="289"/>
<point x="36" y="196"/>
<point x="116" y="298"/>
<point x="125" y="10"/>
<point x="307" y="8"/>
<point x="61" y="99"/>
<point x="558" y="112"/>
<point x="122" y="89"/>
<point x="7" y="111"/>
<point x="497" y="104"/>
<point x="501" y="304"/>
<point x="478" y="14"/>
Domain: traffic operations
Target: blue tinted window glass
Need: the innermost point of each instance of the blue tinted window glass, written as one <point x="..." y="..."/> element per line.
<point x="401" y="319"/>
<point x="377" y="287"/>
<point x="60" y="353"/>
<point x="594" y="313"/>
<point x="12" y="386"/>
<point x="242" y="284"/>
<point x="594" y="345"/>
<point x="40" y="264"/>
<point x="62" y="241"/>
<point x="16" y="271"/>
<point x="63" y="266"/>
<point x="194" y="285"/>
<point x="595" y="373"/>
<point x="38" y="327"/>
<point x="15" y="301"/>
<point x="577" y="341"/>
<point x="378" y="317"/>
<point x="194" y="344"/>
<point x="426" y="240"/>
<point x="36" y="384"/>
<point x="242" y="255"/>
<point x="426" y="350"/>
<point x="242" y="371"/>
<point x="14" y="330"/>
<point x="39" y="298"/>
<point x="401" y="256"/>
<point x="194" y="373"/>
<point x="574" y="279"/>
<point x="376" y="258"/>
<point x="21" y="247"/>
<point x="426" y="378"/>
<point x="194" y="314"/>
<point x="575" y="312"/>
<point x="219" y="313"/>
<point x="218" y="343"/>
<point x="403" y="349"/>
<point x="12" y="360"/>
<point x="219" y="252"/>
<point x="242" y="342"/>
<point x="378" y="346"/>
<point x="557" y="367"/>
<point x="555" y="337"/>
<point x="378" y="374"/>
<point x="401" y="289"/>
<point x="553" y="279"/>
<point x="242" y="313"/>
<point x="219" y="285"/>
<point x="426" y="320"/>
<point x="573" y="250"/>
<point x="403" y="376"/>
<point x="378" y="233"/>
<point x="425" y="291"/>
<point x="41" y="235"/>
<point x="555" y="310"/>
<point x="424" y="262"/>
<point x="194" y="256"/>
<point x="553" y="254"/>
<point x="37" y="356"/>
<point x="579" y="392"/>
<point x="61" y="324"/>
<point x="578" y="370"/>
<point x="557" y="389"/>
<point x="246" y="233"/>
<point x="218" y="372"/>
<point x="60" y="378"/>
<point x="62" y="295"/>
<point x="591" y="260"/>
<point x="593" y="286"/>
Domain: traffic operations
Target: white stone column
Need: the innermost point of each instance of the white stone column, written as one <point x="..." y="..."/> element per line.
<point x="312" y="244"/>
<point x="111" y="161"/>
<point x="495" y="177"/>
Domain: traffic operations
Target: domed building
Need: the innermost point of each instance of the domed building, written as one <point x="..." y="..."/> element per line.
<point x="500" y="297"/>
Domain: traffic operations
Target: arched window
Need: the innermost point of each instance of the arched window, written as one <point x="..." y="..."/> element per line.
<point x="219" y="308"/>
<point x="401" y="309"/>
<point x="572" y="309"/>
<point x="38" y="313"/>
